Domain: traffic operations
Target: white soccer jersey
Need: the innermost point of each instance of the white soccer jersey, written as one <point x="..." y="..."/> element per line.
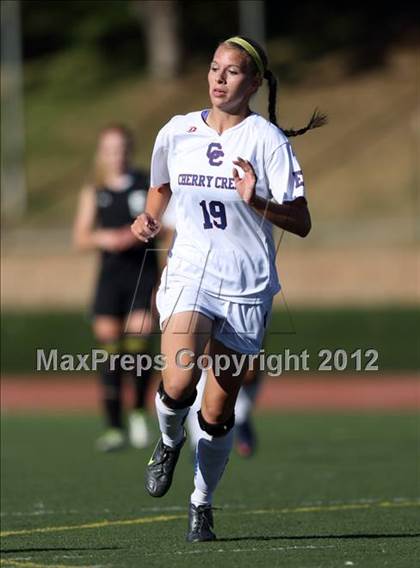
<point x="221" y="243"/>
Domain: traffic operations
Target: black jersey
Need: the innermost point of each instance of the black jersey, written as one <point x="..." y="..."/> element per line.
<point x="119" y="208"/>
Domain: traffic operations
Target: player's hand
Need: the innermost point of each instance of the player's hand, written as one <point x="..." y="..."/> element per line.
<point x="245" y="186"/>
<point x="126" y="239"/>
<point x="145" y="227"/>
<point x="109" y="240"/>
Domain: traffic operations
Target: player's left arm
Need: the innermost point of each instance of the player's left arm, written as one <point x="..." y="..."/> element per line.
<point x="292" y="216"/>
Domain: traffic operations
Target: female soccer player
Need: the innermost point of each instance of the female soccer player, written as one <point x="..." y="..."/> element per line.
<point x="233" y="175"/>
<point x="122" y="319"/>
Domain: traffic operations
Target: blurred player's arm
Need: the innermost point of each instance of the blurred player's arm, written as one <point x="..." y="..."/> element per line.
<point x="148" y="224"/>
<point x="86" y="236"/>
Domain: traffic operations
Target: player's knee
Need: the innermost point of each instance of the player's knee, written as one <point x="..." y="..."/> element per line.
<point x="178" y="384"/>
<point x="177" y="396"/>
<point x="140" y="323"/>
<point x="218" y="429"/>
<point x="106" y="329"/>
<point x="215" y="413"/>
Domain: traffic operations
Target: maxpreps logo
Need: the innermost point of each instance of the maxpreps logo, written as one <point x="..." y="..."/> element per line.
<point x="214" y="152"/>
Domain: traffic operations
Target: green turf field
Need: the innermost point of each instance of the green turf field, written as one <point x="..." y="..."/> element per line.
<point x="391" y="330"/>
<point x="323" y="491"/>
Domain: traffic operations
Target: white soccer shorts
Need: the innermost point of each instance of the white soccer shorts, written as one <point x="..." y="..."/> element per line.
<point x="241" y="327"/>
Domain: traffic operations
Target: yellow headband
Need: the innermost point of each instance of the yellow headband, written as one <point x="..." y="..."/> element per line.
<point x="250" y="49"/>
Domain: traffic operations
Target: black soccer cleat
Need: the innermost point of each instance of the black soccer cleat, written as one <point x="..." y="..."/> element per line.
<point x="200" y="524"/>
<point x="161" y="467"/>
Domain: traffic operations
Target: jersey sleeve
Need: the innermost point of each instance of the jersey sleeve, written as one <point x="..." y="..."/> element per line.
<point x="284" y="174"/>
<point x="159" y="170"/>
<point x="169" y="217"/>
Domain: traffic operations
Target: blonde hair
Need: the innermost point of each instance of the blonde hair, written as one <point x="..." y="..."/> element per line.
<point x="99" y="170"/>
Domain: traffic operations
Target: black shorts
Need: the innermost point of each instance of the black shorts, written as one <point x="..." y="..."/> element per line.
<point x="120" y="289"/>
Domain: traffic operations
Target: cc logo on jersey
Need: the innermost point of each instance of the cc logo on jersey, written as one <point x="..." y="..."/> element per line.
<point x="214" y="152"/>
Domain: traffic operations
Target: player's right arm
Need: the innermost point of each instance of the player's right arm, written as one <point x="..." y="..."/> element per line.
<point x="86" y="236"/>
<point x="148" y="224"/>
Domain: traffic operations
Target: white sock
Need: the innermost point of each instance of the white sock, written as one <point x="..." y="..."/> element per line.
<point x="212" y="455"/>
<point x="170" y="422"/>
<point x="245" y="401"/>
<point x="193" y="427"/>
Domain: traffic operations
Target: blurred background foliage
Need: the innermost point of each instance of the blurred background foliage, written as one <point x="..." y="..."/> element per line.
<point x="110" y="31"/>
<point x="88" y="63"/>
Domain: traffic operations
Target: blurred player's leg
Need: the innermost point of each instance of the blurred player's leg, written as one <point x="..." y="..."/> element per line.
<point x="107" y="331"/>
<point x="138" y="329"/>
<point x="245" y="437"/>
<point x="138" y="345"/>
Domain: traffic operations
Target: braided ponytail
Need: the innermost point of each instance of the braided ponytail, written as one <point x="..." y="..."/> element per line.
<point x="272" y="95"/>
<point x="317" y="119"/>
<point x="259" y="61"/>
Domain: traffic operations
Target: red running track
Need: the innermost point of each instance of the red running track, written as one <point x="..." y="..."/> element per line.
<point x="294" y="392"/>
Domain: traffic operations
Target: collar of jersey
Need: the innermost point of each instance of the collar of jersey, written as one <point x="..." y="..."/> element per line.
<point x="130" y="180"/>
<point x="204" y="114"/>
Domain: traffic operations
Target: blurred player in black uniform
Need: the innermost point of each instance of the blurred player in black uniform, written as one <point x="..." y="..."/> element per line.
<point x="122" y="316"/>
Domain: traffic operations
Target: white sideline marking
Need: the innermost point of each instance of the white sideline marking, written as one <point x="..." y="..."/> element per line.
<point x="254" y="549"/>
<point x="14" y="563"/>
<point x="166" y="518"/>
<point x="178" y="508"/>
<point x="104" y="511"/>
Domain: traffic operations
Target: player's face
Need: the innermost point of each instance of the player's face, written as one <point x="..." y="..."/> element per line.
<point x="231" y="82"/>
<point x="112" y="151"/>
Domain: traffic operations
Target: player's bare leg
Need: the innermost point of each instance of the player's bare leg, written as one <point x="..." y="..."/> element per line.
<point x="216" y="420"/>
<point x="245" y="436"/>
<point x="184" y="338"/>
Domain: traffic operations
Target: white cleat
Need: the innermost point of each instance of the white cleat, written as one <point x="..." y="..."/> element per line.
<point x="111" y="440"/>
<point x="138" y="430"/>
